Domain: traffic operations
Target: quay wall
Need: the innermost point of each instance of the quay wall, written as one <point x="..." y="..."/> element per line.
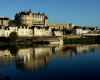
<point x="72" y="36"/>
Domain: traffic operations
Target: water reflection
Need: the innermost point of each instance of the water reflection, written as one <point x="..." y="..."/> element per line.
<point x="32" y="58"/>
<point x="27" y="59"/>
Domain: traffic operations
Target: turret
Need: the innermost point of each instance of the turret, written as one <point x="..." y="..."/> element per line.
<point x="43" y="13"/>
<point x="38" y="13"/>
<point x="30" y="11"/>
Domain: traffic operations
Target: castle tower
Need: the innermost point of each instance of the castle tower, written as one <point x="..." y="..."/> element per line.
<point x="43" y="13"/>
<point x="29" y="10"/>
<point x="71" y="25"/>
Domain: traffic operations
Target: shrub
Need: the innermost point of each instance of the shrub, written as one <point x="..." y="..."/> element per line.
<point x="13" y="37"/>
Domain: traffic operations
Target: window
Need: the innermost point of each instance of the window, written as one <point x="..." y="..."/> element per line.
<point x="41" y="19"/>
<point x="37" y="19"/>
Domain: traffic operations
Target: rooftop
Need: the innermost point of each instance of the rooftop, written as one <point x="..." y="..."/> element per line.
<point x="77" y="27"/>
<point x="4" y="18"/>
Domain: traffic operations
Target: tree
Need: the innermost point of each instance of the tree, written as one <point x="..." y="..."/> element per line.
<point x="13" y="37"/>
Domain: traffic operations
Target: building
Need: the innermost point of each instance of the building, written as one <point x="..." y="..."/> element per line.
<point x="77" y="30"/>
<point x="4" y="21"/>
<point x="30" y="19"/>
<point x="37" y="19"/>
<point x="42" y="31"/>
<point x="24" y="21"/>
<point x="22" y="31"/>
<point x="85" y="30"/>
<point x="58" y="33"/>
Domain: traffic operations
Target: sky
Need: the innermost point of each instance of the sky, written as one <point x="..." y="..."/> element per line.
<point x="79" y="12"/>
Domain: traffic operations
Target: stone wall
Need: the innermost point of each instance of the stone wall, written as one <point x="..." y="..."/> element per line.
<point x="59" y="26"/>
<point x="73" y="36"/>
<point x="42" y="32"/>
<point x="30" y="19"/>
<point x="4" y="22"/>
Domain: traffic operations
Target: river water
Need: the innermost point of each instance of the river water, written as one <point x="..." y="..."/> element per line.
<point x="51" y="62"/>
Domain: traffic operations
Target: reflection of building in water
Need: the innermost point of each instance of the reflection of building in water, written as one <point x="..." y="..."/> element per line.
<point x="29" y="59"/>
<point x="6" y="58"/>
<point x="43" y="51"/>
<point x="4" y="53"/>
<point x="33" y="58"/>
<point x="85" y="48"/>
<point x="61" y="51"/>
<point x="59" y="48"/>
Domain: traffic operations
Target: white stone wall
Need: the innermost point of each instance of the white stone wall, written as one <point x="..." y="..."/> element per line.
<point x="85" y="31"/>
<point x="42" y="32"/>
<point x="7" y="33"/>
<point x="2" y="32"/>
<point x="46" y="22"/>
<point x="31" y="19"/>
<point x="71" y="26"/>
<point x="22" y="32"/>
<point x="77" y="31"/>
<point x="57" y="33"/>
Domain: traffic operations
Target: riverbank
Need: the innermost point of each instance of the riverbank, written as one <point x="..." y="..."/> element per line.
<point x="45" y="40"/>
<point x="79" y="40"/>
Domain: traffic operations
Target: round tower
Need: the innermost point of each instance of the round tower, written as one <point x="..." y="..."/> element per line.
<point x="71" y="25"/>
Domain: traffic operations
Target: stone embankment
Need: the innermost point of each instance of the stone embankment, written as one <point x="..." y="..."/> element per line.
<point x="72" y="36"/>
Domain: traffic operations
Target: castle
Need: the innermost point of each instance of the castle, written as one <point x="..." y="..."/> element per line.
<point x="25" y="22"/>
<point x="37" y="19"/>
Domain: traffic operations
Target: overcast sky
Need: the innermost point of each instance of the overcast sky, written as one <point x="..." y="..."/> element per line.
<point x="79" y="12"/>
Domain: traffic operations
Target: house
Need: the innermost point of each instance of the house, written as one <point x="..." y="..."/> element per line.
<point x="22" y="31"/>
<point x="57" y="32"/>
<point x="42" y="31"/>
<point x="85" y="30"/>
<point x="77" y="30"/>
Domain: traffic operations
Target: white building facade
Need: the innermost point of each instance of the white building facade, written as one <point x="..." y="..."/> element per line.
<point x="77" y="30"/>
<point x="21" y="31"/>
<point x="42" y="31"/>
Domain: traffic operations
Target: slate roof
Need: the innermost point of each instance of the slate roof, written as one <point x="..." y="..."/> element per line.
<point x="77" y="27"/>
<point x="4" y="18"/>
<point x="85" y="28"/>
<point x="91" y="28"/>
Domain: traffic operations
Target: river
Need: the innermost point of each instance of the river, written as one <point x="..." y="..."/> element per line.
<point x="51" y="62"/>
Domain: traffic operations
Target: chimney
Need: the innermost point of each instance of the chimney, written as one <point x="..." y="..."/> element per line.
<point x="43" y="13"/>
<point x="39" y="13"/>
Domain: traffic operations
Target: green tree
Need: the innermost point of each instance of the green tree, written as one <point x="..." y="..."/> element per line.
<point x="13" y="37"/>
